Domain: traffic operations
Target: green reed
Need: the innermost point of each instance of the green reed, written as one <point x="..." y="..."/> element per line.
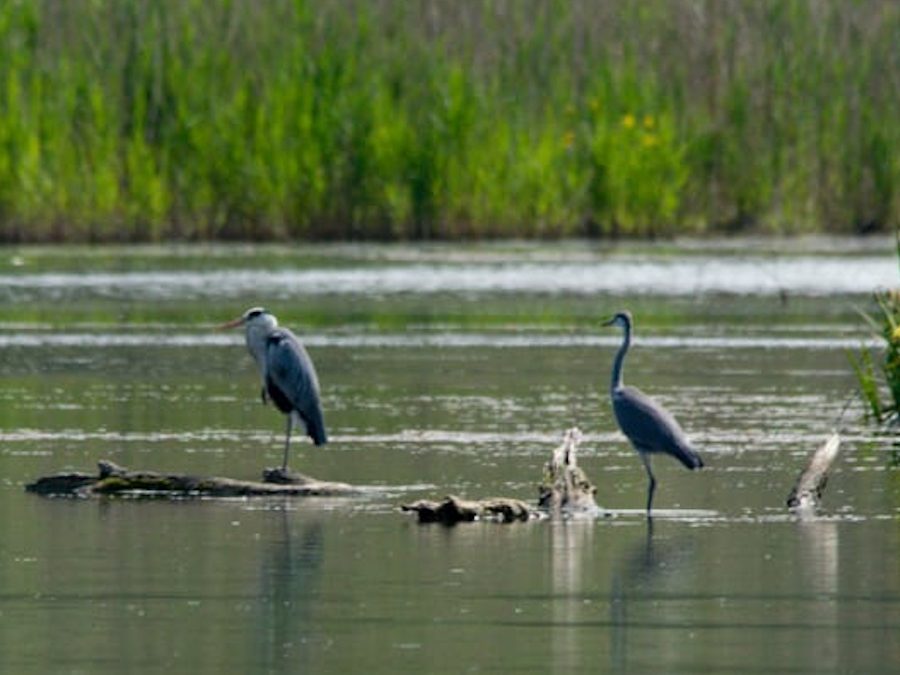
<point x="146" y="120"/>
<point x="876" y="378"/>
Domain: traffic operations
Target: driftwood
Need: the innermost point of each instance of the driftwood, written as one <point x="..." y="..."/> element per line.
<point x="565" y="489"/>
<point x="113" y="479"/>
<point x="807" y="491"/>
<point x="454" y="510"/>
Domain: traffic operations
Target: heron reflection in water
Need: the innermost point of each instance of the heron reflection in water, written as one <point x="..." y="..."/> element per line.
<point x="648" y="426"/>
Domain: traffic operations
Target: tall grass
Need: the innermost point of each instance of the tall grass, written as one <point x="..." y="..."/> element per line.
<point x="155" y="119"/>
<point x="876" y="379"/>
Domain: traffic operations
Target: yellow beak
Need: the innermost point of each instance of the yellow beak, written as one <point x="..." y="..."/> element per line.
<point x="231" y="324"/>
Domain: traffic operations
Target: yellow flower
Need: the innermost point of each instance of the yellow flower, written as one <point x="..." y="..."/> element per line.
<point x="649" y="122"/>
<point x="649" y="140"/>
<point x="895" y="336"/>
<point x="628" y="121"/>
<point x="569" y="139"/>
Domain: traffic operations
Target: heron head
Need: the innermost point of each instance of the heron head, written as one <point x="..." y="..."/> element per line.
<point x="254" y="318"/>
<point x="621" y="319"/>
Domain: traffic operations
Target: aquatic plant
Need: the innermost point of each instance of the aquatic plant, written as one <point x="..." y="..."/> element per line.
<point x="145" y="120"/>
<point x="876" y="375"/>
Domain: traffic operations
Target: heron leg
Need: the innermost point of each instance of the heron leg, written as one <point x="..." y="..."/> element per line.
<point x="651" y="488"/>
<point x="287" y="440"/>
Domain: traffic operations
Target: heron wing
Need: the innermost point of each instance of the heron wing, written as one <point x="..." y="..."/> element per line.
<point x="652" y="428"/>
<point x="292" y="382"/>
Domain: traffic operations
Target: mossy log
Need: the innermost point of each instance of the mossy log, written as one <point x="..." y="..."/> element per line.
<point x="807" y="491"/>
<point x="565" y="489"/>
<point x="112" y="479"/>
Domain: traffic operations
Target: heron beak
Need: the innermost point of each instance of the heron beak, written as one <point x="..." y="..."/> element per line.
<point x="610" y="322"/>
<point x="231" y="324"/>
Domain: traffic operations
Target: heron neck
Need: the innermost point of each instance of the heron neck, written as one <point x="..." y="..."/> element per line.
<point x="256" y="345"/>
<point x="616" y="381"/>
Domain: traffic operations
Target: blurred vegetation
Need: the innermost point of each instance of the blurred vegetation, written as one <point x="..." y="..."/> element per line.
<point x="874" y="380"/>
<point x="149" y="120"/>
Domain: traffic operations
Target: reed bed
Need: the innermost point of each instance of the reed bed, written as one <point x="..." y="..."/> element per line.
<point x="151" y="120"/>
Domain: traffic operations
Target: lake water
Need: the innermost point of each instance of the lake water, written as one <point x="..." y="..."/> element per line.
<point x="446" y="369"/>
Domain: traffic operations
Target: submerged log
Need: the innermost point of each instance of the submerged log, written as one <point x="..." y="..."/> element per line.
<point x="565" y="489"/>
<point x="454" y="510"/>
<point x="807" y="491"/>
<point x="112" y="479"/>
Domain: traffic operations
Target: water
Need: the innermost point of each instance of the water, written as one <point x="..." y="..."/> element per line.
<point x="445" y="370"/>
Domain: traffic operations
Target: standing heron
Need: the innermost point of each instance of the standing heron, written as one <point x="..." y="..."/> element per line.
<point x="648" y="426"/>
<point x="288" y="375"/>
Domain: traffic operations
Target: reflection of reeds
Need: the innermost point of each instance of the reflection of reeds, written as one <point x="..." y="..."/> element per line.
<point x="872" y="380"/>
<point x="146" y="119"/>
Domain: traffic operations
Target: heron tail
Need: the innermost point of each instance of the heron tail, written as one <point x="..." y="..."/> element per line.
<point x="315" y="428"/>
<point x="318" y="434"/>
<point x="689" y="457"/>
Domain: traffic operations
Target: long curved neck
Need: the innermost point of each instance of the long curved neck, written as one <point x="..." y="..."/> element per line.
<point x="616" y="381"/>
<point x="256" y="345"/>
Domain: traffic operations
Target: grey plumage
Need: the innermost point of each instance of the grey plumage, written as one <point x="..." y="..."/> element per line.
<point x="651" y="428"/>
<point x="287" y="372"/>
<point x="648" y="426"/>
<point x="292" y="384"/>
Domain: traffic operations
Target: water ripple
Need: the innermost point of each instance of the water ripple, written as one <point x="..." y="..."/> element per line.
<point x="430" y="340"/>
<point x="635" y="275"/>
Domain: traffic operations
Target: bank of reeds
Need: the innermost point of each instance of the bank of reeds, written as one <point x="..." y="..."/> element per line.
<point x="392" y="119"/>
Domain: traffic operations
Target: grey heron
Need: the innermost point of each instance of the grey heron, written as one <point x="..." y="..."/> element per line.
<point x="288" y="375"/>
<point x="648" y="426"/>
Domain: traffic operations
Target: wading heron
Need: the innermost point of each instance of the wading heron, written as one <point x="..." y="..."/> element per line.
<point x="648" y="426"/>
<point x="288" y="375"/>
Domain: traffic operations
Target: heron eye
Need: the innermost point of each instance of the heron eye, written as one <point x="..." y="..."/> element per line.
<point x="255" y="313"/>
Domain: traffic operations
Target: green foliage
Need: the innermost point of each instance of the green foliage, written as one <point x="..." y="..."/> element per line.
<point x="147" y="120"/>
<point x="886" y="375"/>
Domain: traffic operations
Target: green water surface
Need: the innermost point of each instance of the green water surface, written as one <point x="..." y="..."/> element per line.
<point x="431" y="388"/>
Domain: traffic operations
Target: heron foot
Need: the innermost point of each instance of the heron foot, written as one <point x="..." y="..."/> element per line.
<point x="282" y="476"/>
